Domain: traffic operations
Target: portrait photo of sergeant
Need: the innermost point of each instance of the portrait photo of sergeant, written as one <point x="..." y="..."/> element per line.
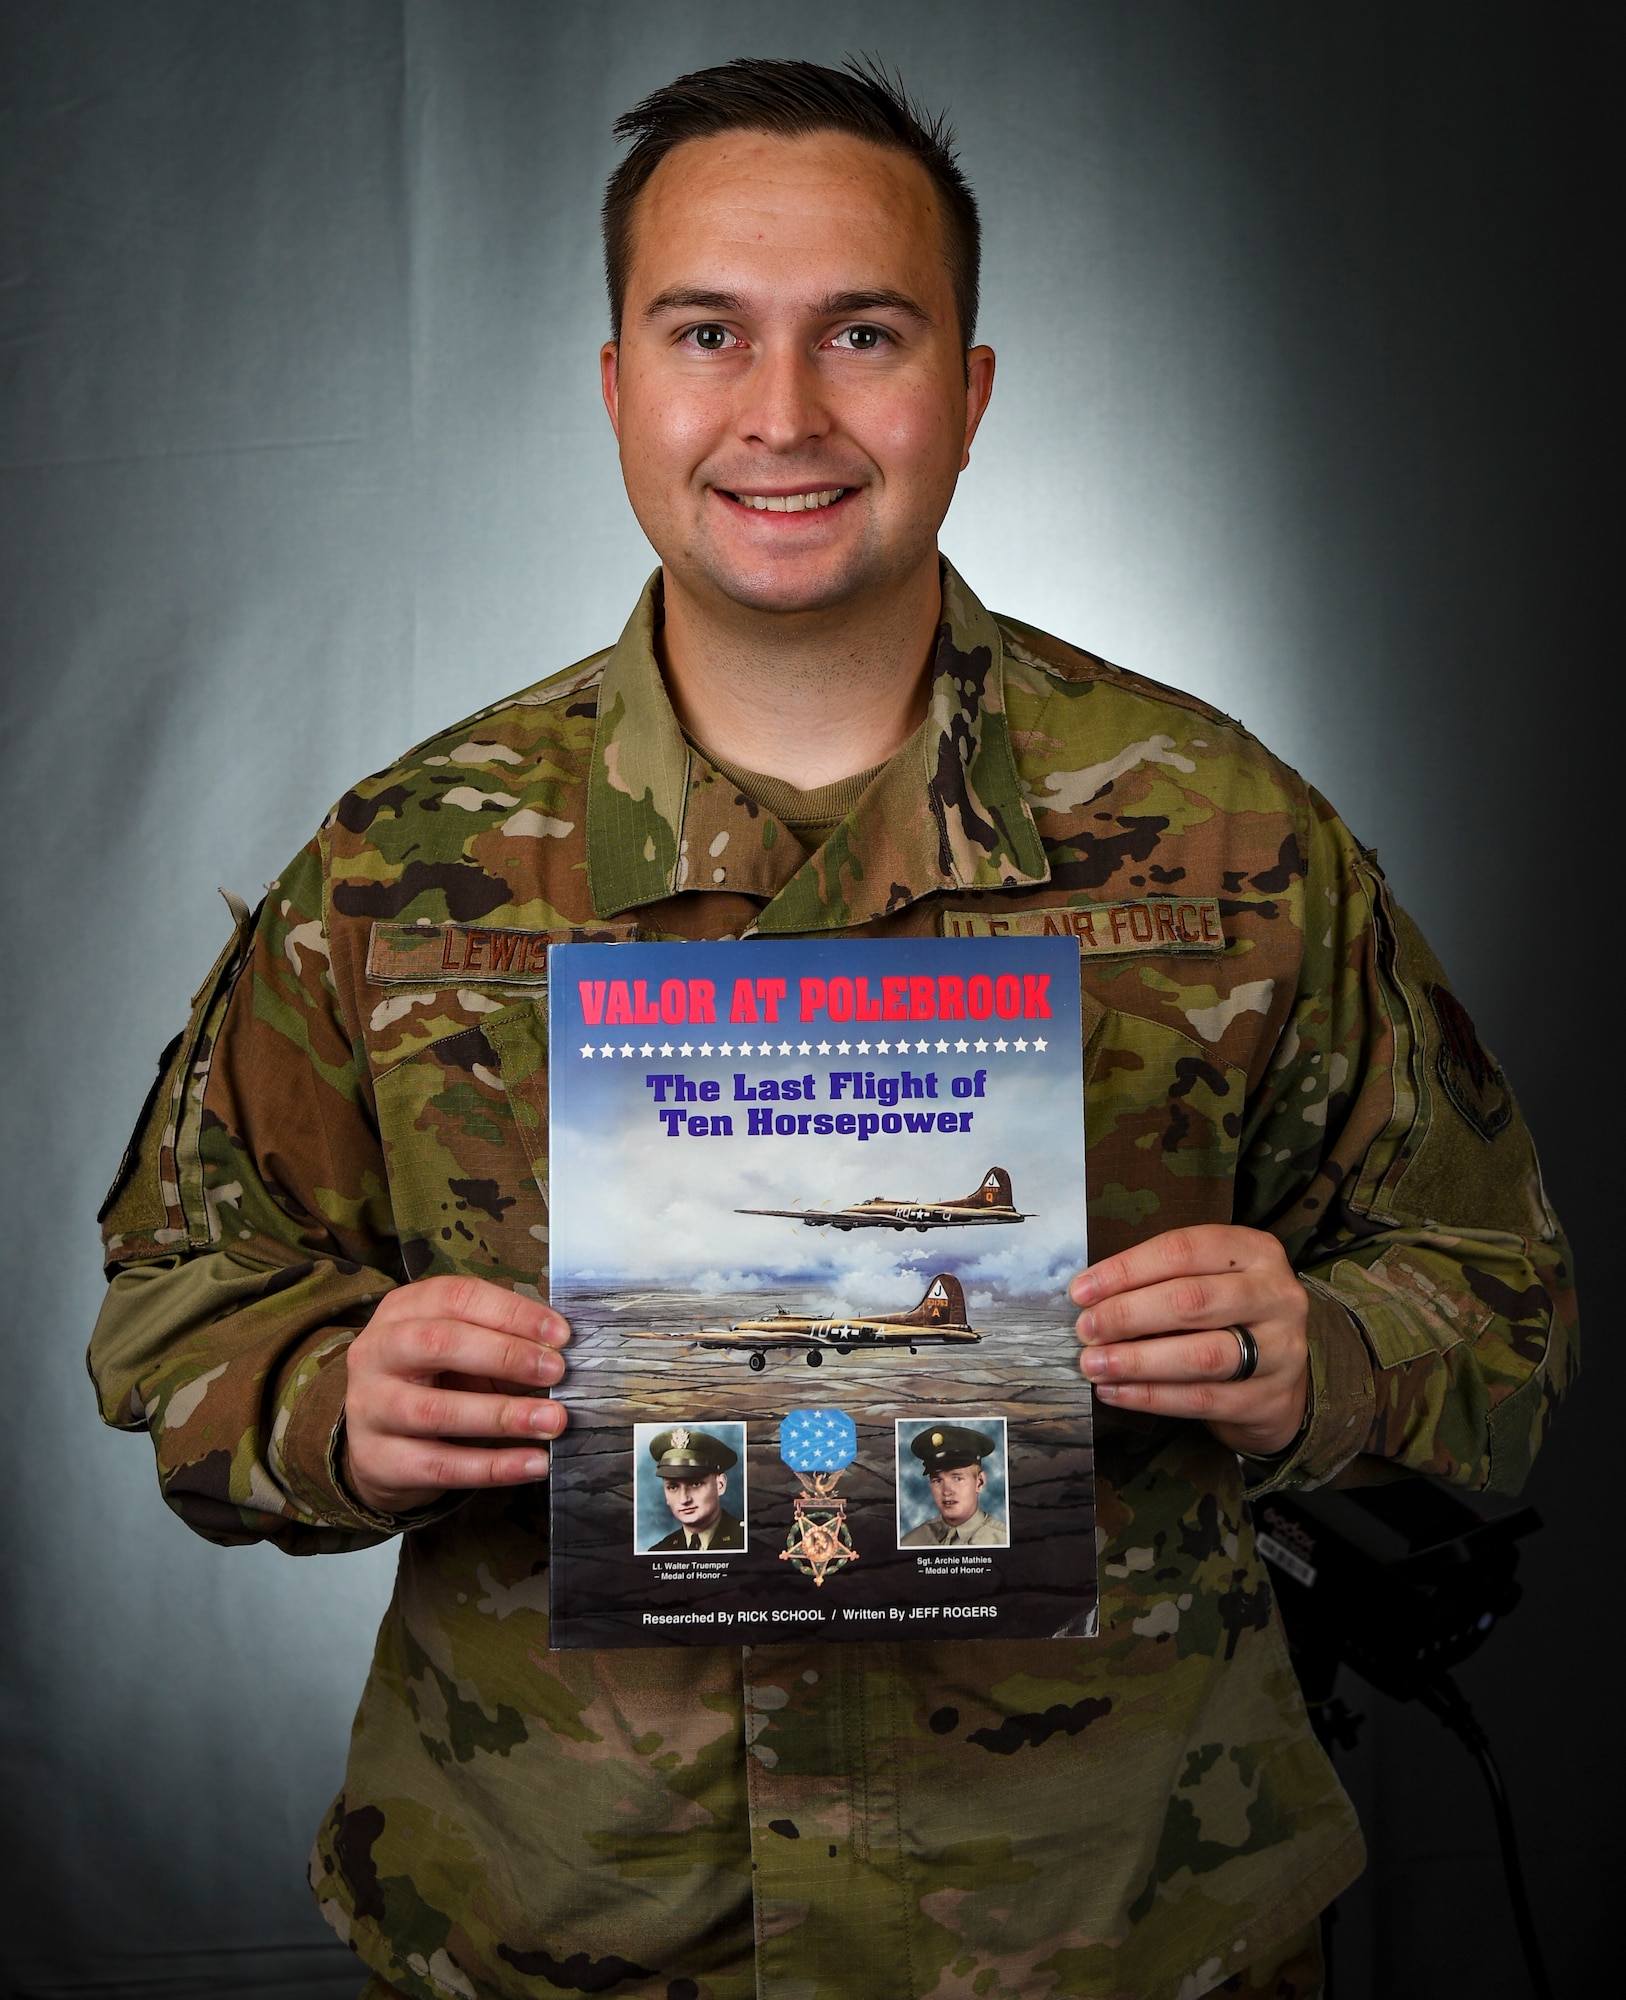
<point x="692" y="1470"/>
<point x="953" y="1461"/>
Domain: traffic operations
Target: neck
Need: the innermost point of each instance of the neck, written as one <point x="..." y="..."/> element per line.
<point x="807" y="697"/>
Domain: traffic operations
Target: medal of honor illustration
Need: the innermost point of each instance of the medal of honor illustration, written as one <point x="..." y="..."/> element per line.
<point x="818" y="1446"/>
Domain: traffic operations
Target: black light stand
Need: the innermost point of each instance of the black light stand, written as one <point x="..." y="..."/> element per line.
<point x="1400" y="1581"/>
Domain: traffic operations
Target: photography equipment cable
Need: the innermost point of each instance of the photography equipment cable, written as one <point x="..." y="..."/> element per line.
<point x="1446" y="1700"/>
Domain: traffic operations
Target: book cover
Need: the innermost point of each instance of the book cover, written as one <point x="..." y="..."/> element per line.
<point x="799" y="1405"/>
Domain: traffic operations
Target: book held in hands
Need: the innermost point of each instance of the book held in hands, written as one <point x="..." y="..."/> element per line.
<point x="800" y="1407"/>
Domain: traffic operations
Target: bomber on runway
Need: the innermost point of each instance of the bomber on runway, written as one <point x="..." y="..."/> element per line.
<point x="992" y="1201"/>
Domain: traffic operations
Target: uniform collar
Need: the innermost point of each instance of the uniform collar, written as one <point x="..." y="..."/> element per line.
<point x="946" y="814"/>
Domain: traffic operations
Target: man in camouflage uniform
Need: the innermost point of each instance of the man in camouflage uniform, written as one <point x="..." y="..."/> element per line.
<point x="328" y="1242"/>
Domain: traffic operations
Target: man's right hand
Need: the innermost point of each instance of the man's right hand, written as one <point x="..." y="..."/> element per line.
<point x="436" y="1396"/>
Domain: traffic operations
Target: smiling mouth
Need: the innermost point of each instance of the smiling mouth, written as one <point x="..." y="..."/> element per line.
<point x="789" y="503"/>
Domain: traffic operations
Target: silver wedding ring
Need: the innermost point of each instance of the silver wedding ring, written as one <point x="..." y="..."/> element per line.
<point x="1247" y="1359"/>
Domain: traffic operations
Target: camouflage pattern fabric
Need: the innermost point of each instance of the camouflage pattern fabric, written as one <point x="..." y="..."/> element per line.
<point x="1295" y="1970"/>
<point x="361" y="1098"/>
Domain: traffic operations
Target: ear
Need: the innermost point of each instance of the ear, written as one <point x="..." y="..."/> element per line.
<point x="979" y="386"/>
<point x="609" y="381"/>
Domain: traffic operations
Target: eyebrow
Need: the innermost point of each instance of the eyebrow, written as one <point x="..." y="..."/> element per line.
<point x="684" y="298"/>
<point x="839" y="304"/>
<point x="835" y="305"/>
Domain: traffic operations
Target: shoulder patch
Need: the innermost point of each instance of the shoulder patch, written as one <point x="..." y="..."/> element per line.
<point x="1190" y="925"/>
<point x="492" y="954"/>
<point x="1472" y="1076"/>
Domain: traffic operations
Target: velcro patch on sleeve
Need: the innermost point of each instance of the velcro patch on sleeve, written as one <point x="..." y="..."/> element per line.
<point x="1472" y="1076"/>
<point x="1186" y="924"/>
<point x="485" y="954"/>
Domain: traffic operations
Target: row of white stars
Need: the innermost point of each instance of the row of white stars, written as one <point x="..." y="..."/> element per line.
<point x="1000" y="1045"/>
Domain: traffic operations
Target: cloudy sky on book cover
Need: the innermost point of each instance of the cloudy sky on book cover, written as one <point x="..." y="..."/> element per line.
<point x="686" y="1192"/>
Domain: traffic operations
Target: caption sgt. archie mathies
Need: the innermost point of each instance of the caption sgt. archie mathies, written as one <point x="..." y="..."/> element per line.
<point x="814" y="1209"/>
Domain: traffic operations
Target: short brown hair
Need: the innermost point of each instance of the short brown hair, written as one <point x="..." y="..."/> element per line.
<point x="792" y="99"/>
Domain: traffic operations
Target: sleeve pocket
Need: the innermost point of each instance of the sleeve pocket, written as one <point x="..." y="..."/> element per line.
<point x="156" y="1205"/>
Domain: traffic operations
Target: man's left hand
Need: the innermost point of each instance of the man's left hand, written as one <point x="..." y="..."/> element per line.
<point x="1156" y="1331"/>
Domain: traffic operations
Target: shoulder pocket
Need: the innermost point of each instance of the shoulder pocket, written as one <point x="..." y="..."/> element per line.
<point x="1457" y="1151"/>
<point x="156" y="1203"/>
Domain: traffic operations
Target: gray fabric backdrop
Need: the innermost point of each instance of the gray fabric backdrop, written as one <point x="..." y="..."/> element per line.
<point x="303" y="457"/>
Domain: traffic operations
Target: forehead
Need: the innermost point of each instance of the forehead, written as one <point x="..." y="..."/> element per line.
<point x="752" y="208"/>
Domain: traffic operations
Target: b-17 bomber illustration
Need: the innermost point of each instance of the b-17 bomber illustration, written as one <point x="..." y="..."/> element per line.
<point x="940" y="1317"/>
<point x="992" y="1201"/>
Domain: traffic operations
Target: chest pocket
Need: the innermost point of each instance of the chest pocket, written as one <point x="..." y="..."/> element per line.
<point x="1162" y="1121"/>
<point x="464" y="1123"/>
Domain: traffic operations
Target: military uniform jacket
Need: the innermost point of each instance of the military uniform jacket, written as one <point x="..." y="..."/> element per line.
<point x="361" y="1098"/>
<point x="728" y="1534"/>
<point x="981" y="1531"/>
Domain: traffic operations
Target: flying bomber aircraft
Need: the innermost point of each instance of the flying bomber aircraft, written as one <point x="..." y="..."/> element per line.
<point x="991" y="1202"/>
<point x="940" y="1316"/>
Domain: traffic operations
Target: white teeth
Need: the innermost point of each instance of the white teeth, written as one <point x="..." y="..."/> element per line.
<point x="790" y="503"/>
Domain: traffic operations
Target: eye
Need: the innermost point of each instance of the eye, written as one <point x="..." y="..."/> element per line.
<point x="862" y="339"/>
<point x="710" y="339"/>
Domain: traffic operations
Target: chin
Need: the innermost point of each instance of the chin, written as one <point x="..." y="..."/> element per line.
<point x="780" y="595"/>
<point x="791" y="585"/>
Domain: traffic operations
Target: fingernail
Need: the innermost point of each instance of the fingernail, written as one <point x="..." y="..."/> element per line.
<point x="1107" y="1395"/>
<point x="555" y="1331"/>
<point x="1082" y="1289"/>
<point x="1086" y="1326"/>
<point x="536" y="1465"/>
<point x="1094" y="1362"/>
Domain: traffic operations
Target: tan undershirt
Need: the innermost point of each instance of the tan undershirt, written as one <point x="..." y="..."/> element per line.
<point x="811" y="816"/>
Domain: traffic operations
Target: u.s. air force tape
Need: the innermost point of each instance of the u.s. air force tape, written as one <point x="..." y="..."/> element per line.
<point x="1189" y="924"/>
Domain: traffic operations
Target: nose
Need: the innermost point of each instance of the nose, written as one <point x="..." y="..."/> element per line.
<point x="783" y="404"/>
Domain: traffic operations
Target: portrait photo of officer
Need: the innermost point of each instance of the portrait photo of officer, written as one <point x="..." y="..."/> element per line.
<point x="952" y="1485"/>
<point x="687" y="1496"/>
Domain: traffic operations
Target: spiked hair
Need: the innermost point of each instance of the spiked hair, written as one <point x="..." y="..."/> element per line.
<point x="792" y="99"/>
